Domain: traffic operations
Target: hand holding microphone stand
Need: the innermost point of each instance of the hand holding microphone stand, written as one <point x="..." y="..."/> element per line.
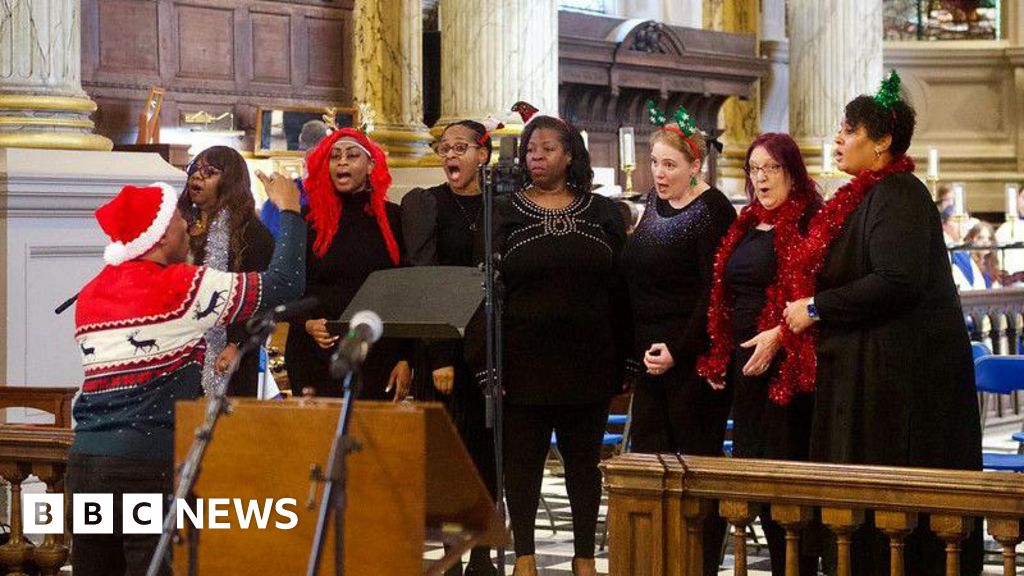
<point x="259" y="328"/>
<point x="365" y="328"/>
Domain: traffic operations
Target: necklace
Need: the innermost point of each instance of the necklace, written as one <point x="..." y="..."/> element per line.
<point x="200" y="225"/>
<point x="471" y="222"/>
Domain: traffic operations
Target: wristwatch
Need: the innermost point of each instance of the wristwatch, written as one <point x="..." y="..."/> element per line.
<point x="812" y="310"/>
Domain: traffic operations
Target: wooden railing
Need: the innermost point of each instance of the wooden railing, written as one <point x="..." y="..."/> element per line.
<point x="997" y="317"/>
<point x="40" y="451"/>
<point x="657" y="503"/>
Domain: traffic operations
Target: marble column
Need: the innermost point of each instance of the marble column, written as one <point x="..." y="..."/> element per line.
<point x="775" y="47"/>
<point x="388" y="44"/>
<point x="494" y="53"/>
<point x="740" y="119"/>
<point x="835" y="54"/>
<point x="42" y="104"/>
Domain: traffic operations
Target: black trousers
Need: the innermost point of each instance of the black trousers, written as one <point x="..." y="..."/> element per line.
<point x="579" y="429"/>
<point x="117" y="553"/>
<point x="679" y="413"/>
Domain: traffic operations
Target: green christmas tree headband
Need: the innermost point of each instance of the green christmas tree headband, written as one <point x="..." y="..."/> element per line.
<point x="889" y="93"/>
<point x="684" y="125"/>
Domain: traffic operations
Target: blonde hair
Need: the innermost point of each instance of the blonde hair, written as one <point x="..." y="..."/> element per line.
<point x="675" y="140"/>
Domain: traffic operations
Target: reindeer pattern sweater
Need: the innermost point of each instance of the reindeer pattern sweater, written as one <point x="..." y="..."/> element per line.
<point x="140" y="328"/>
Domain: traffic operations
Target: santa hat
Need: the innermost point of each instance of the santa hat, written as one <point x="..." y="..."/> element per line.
<point x="135" y="220"/>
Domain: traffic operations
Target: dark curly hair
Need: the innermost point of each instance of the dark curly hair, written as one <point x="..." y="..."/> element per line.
<point x="897" y="121"/>
<point x="234" y="192"/>
<point x="478" y="130"/>
<point x="579" y="175"/>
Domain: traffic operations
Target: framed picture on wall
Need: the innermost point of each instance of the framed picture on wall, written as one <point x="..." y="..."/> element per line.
<point x="278" y="128"/>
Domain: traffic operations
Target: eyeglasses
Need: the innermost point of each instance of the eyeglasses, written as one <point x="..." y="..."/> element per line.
<point x="457" y="150"/>
<point x="767" y="169"/>
<point x="205" y="171"/>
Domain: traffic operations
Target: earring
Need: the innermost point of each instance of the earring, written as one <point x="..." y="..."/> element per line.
<point x="693" y="181"/>
<point x="878" y="153"/>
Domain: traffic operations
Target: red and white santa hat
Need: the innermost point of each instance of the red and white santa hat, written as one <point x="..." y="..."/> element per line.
<point x="135" y="220"/>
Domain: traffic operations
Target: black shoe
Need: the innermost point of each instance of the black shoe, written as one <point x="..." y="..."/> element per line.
<point x="480" y="567"/>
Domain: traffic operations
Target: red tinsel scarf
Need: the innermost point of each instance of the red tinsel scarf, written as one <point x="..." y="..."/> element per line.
<point x="800" y="259"/>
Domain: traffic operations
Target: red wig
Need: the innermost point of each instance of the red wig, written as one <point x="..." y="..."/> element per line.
<point x="324" y="204"/>
<point x="784" y="150"/>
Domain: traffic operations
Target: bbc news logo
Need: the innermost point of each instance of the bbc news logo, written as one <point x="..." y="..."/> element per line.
<point x="144" y="513"/>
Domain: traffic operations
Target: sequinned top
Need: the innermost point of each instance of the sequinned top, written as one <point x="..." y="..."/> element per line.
<point x="668" y="261"/>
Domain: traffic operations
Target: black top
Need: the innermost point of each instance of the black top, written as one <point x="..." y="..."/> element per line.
<point x="566" y="313"/>
<point x="257" y="249"/>
<point x="749" y="272"/>
<point x="358" y="249"/>
<point x="440" y="228"/>
<point x="895" y="381"/>
<point x="669" y="260"/>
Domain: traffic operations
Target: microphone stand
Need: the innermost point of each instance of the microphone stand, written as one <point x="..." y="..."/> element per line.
<point x="494" y="390"/>
<point x="335" y="498"/>
<point x="216" y="407"/>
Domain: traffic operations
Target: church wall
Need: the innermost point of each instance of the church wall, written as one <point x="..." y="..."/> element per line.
<point x="213" y="55"/>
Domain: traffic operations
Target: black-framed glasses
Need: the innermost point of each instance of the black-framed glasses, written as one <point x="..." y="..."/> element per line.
<point x="457" y="150"/>
<point x="205" y="171"/>
<point x="767" y="169"/>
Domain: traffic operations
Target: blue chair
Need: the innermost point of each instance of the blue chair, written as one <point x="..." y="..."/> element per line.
<point x="1000" y="375"/>
<point x="979" y="349"/>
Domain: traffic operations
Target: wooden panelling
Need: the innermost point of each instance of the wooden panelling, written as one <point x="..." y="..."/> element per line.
<point x="271" y="54"/>
<point x="128" y="23"/>
<point x="205" y="39"/>
<point x="213" y="55"/>
<point x="326" y="50"/>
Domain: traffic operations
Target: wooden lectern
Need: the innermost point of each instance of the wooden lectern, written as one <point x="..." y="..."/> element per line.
<point x="411" y="481"/>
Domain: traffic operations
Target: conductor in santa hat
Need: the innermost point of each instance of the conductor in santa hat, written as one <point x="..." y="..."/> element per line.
<point x="139" y="325"/>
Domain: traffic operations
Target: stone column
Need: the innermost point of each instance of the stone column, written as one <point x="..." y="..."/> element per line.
<point x="494" y="53"/>
<point x="42" y="104"/>
<point x="775" y="47"/>
<point x="740" y="119"/>
<point x="388" y="43"/>
<point x="835" y="53"/>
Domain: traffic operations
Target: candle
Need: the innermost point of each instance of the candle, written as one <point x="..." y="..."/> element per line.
<point x="586" y="139"/>
<point x="827" y="163"/>
<point x="1011" y="202"/>
<point x="933" y="163"/>
<point x="958" y="200"/>
<point x="627" y="152"/>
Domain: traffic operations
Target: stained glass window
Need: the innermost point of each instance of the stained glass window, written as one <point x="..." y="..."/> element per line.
<point x="596" y="6"/>
<point x="942" y="19"/>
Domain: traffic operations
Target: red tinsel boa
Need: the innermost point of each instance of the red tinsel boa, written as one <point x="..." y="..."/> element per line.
<point x="800" y="259"/>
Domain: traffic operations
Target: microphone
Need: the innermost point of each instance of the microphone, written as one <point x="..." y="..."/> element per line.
<point x="364" y="329"/>
<point x="282" y="313"/>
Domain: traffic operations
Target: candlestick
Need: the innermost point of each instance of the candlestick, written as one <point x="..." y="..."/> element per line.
<point x="627" y="150"/>
<point x="1011" y="202"/>
<point x="627" y="191"/>
<point x="586" y="139"/>
<point x="958" y="200"/>
<point x="827" y="162"/>
<point x="933" y="163"/>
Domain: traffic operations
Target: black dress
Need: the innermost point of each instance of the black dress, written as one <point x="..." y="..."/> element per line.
<point x="358" y="249"/>
<point x="441" y="229"/>
<point x="762" y="428"/>
<point x="895" y="380"/>
<point x="668" y="261"/>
